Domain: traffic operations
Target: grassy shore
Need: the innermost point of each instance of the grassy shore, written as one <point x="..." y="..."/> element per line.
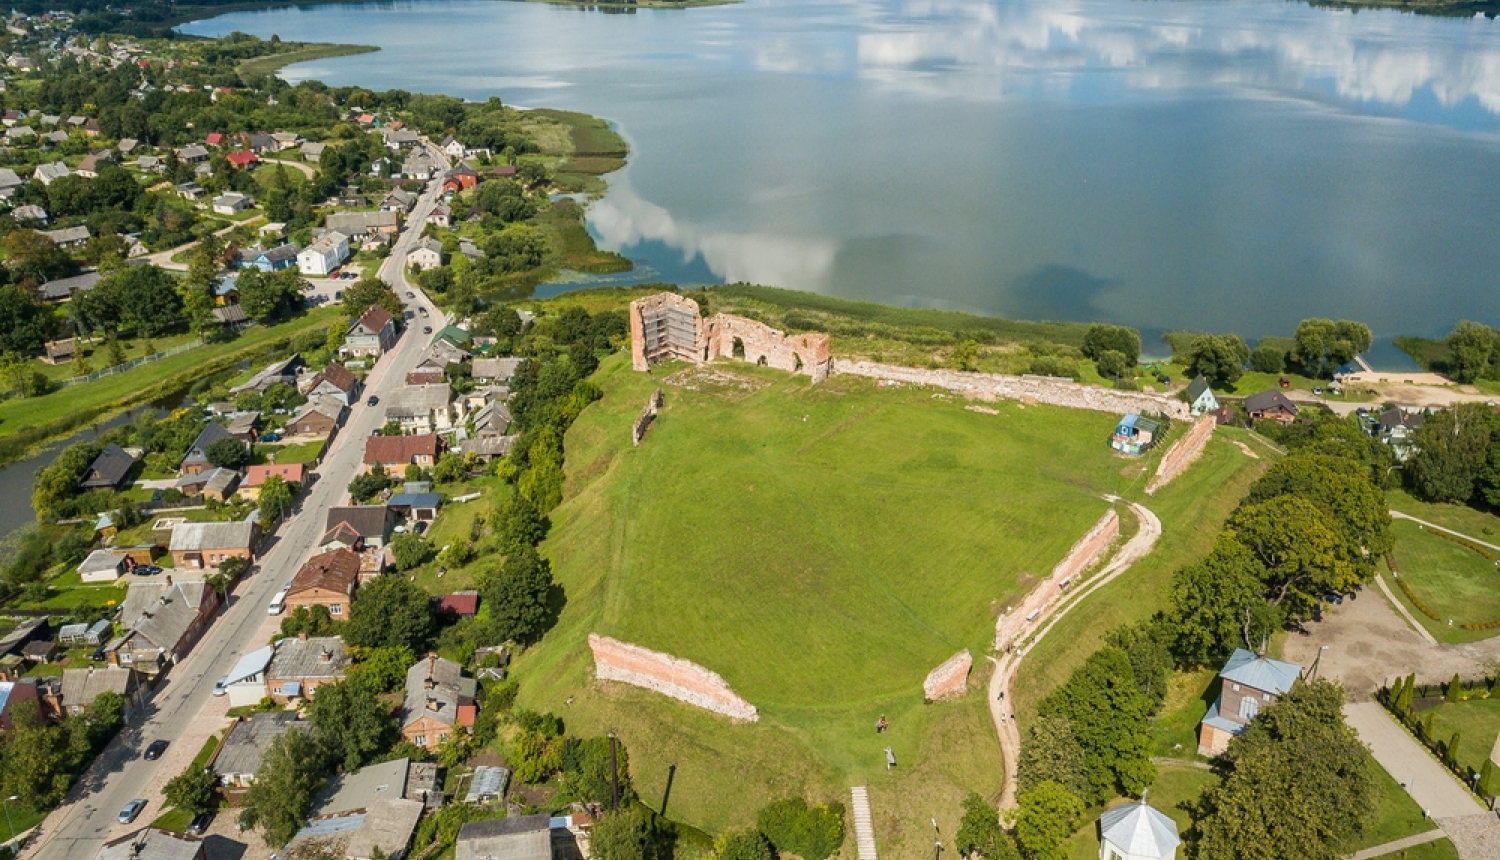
<point x="32" y="421"/>
<point x="270" y="65"/>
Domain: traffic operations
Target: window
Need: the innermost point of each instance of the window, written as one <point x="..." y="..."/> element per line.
<point x="1236" y="688"/>
<point x="420" y="740"/>
<point x="1249" y="708"/>
<point x="1266" y="696"/>
<point x="335" y="609"/>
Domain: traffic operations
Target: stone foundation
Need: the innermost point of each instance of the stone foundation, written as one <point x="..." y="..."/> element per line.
<point x="951" y="678"/>
<point x="1041" y="389"/>
<point x="1089" y="549"/>
<point x="1182" y="454"/>
<point x="795" y="353"/>
<point x="671" y="676"/>
<point x="643" y="421"/>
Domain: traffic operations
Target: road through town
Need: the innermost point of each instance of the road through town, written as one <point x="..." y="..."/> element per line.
<point x="183" y="701"/>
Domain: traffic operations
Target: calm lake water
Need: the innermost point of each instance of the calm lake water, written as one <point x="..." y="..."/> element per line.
<point x="1226" y="165"/>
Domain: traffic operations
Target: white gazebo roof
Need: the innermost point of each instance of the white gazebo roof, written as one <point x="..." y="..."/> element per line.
<point x="1139" y="830"/>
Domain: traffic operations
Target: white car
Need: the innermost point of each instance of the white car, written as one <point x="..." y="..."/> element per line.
<point x="219" y="686"/>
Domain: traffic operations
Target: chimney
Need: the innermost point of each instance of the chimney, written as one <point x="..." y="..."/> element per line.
<point x="433" y="705"/>
<point x="302" y="637"/>
<point x="326" y="656"/>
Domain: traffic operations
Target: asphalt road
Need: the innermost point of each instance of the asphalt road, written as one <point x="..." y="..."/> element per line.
<point x="76" y="830"/>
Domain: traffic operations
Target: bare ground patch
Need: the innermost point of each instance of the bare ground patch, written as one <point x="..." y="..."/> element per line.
<point x="716" y="382"/>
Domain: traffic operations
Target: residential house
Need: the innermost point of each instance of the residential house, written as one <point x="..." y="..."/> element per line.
<point x="420" y="165"/>
<point x="232" y="203"/>
<point x="239" y="758"/>
<point x="521" y="837"/>
<point x="196" y="459"/>
<point x="192" y="154"/>
<point x="62" y="289"/>
<point x="151" y="843"/>
<point x="1134" y="435"/>
<point x="327" y="579"/>
<point x="285" y="140"/>
<point x="68" y="237"/>
<point x="1271" y="405"/>
<point x="80" y="687"/>
<point x="319" y="416"/>
<point x="246" y="682"/>
<point x="103" y="565"/>
<point x="492" y="420"/>
<point x="1396" y="427"/>
<point x="88" y="168"/>
<point x="150" y="163"/>
<point x="460" y="178"/>
<point x="487" y="449"/>
<point x="29" y="212"/>
<point x="255" y="477"/>
<point x="19" y="134"/>
<point x="385" y="831"/>
<point x="326" y="253"/>
<point x="356" y="527"/>
<point x="1200" y="398"/>
<point x="190" y="191"/>
<point x="459" y="604"/>
<point x="451" y="147"/>
<point x="283" y="372"/>
<point x="127" y="145"/>
<point x="395" y="453"/>
<point x="109" y="469"/>
<point x="399" y="201"/>
<point x="312" y="150"/>
<point x="13" y="693"/>
<point x="372" y="334"/>
<point x="334" y="381"/>
<point x="162" y="620"/>
<point x="196" y="546"/>
<point x="59" y="351"/>
<point x="1137" y="831"/>
<point x="427" y="254"/>
<point x="397" y="139"/>
<point x="10" y="183"/>
<point x="48" y="173"/>
<point x="422" y="409"/>
<point x="302" y="665"/>
<point x="245" y="426"/>
<point x="1248" y="682"/>
<point x="439" y="701"/>
<point x="363" y="225"/>
<point x="215" y="483"/>
<point x="280" y="257"/>
<point x="242" y="159"/>
<point x="425" y="376"/>
<point x="496" y="369"/>
<point x="440" y="216"/>
<point x="415" y="506"/>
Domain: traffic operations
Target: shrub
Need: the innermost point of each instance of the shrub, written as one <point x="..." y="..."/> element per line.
<point x="812" y="833"/>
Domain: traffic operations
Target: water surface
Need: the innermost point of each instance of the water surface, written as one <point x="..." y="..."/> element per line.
<point x="1225" y="165"/>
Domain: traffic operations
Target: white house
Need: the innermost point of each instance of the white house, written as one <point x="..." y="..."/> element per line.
<point x="46" y="173"/>
<point x="246" y="682"/>
<point x="233" y="203"/>
<point x="452" y="148"/>
<point x="428" y="254"/>
<point x="1200" y="397"/>
<point x="324" y="255"/>
<point x="1137" y="831"/>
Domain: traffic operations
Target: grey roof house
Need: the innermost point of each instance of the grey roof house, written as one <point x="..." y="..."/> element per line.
<point x="240" y="756"/>
<point x="1248" y="682"/>
<point x="162" y="621"/>
<point x="109" y="469"/>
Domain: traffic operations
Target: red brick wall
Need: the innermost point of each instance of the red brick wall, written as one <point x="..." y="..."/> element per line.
<point x="671" y="676"/>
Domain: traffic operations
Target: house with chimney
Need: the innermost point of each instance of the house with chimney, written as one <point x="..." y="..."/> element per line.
<point x="327" y="579"/>
<point x="371" y="335"/>
<point x="395" y="453"/>
<point x="151" y="843"/>
<point x="1247" y="683"/>
<point x="109" y="469"/>
<point x="239" y="757"/>
<point x="334" y="381"/>
<point x="1271" y="405"/>
<point x="320" y="416"/>
<point x="357" y="528"/>
<point x="80" y="687"/>
<point x="255" y="477"/>
<point x="303" y="664"/>
<point x="162" y="620"/>
<point x="196" y="458"/>
<point x="199" y="546"/>
<point x="438" y="702"/>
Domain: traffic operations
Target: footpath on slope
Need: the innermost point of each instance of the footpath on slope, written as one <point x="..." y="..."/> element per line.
<point x="1006" y="666"/>
<point x="864" y="831"/>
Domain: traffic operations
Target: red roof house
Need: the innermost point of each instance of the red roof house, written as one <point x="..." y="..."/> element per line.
<point x="395" y="453"/>
<point x="214" y="138"/>
<point x="461" y="603"/>
<point x="243" y="158"/>
<point x="255" y="476"/>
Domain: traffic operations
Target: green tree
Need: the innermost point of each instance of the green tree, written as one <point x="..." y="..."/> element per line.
<point x="619" y="835"/>
<point x="1148" y="646"/>
<point x="389" y="612"/>
<point x="1341" y="487"/>
<point x="411" y="550"/>
<point x="1486" y="778"/>
<point x="1217" y="605"/>
<point x="1453" y="446"/>
<point x="1112" y="364"/>
<point x="979" y="832"/>
<point x="1122" y="339"/>
<point x="192" y="791"/>
<point x="383" y="669"/>
<point x="148" y="298"/>
<point x="35" y="760"/>
<point x="965" y="356"/>
<point x="743" y="845"/>
<point x="274" y="501"/>
<point x="1048" y="815"/>
<point x="30" y="256"/>
<point x="1471" y="346"/>
<point x="517" y="597"/>
<point x="350" y="724"/>
<point x="25" y="323"/>
<point x="371" y="291"/>
<point x="1452" y="749"/>
<point x="519" y="524"/>
<point x="1109" y="717"/>
<point x="1051" y="753"/>
<point x="1220" y="358"/>
<point x="1298" y="785"/>
<point x="1299" y="548"/>
<point x="291" y="771"/>
<point x="1321" y="346"/>
<point x="56" y="484"/>
<point x="1267" y="359"/>
<point x="1455" y="691"/>
<point x="810" y="832"/>
<point x="369" y="485"/>
<point x="228" y="453"/>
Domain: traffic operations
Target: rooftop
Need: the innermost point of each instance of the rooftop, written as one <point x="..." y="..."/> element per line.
<point x="1266" y="674"/>
<point x="249" y="739"/>
<point x="150" y="843"/>
<point x="315" y="657"/>
<point x="1139" y="829"/>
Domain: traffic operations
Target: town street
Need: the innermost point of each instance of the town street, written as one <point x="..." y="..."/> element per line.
<point x="183" y="701"/>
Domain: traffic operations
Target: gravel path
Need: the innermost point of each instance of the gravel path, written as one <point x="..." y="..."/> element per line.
<point x="1429" y="783"/>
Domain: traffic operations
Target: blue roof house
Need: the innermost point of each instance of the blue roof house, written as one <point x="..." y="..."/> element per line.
<point x="1134" y="434"/>
<point x="1248" y="682"/>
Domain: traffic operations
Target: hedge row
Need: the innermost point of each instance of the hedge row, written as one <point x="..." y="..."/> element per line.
<point x="1417" y="601"/>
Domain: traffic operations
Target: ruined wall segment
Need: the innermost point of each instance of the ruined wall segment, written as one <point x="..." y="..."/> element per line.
<point x="1042" y="389"/>
<point x="667" y="326"/>
<point x="663" y="327"/>
<point x="1089" y="549"/>
<point x="810" y="353"/>
<point x="1183" y="453"/>
<point x="671" y="676"/>
<point x="951" y="678"/>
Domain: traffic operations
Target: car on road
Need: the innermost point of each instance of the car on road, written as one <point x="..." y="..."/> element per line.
<point x="423" y="311"/>
<point x="146" y="570"/>
<point x="426" y="329"/>
<point x="271" y="437"/>
<point x="131" y="810"/>
<point x="219" y="686"/>
<point x="154" y="751"/>
<point x="410" y="294"/>
<point x="199" y="824"/>
<point x="372" y="400"/>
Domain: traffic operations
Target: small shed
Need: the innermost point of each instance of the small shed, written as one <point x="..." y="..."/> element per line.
<point x="102" y="565"/>
<point x="1134" y="435"/>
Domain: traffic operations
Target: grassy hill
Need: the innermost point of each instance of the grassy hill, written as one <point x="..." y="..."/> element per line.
<point x="823" y="548"/>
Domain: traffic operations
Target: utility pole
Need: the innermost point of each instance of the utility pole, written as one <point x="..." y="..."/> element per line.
<point x="614" y="775"/>
<point x="937" y="840"/>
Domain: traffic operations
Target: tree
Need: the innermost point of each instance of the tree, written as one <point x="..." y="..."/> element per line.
<point x="273" y="502"/>
<point x="1048" y="815"/>
<point x="1109" y="717"/>
<point x="228" y="453"/>
<point x="965" y="355"/>
<point x="1300" y="551"/>
<point x="810" y="832"/>
<point x="1451" y="752"/>
<point x="1321" y="346"/>
<point x="371" y="291"/>
<point x="1112" y="364"/>
<point x="1051" y="753"/>
<point x="1267" y="359"/>
<point x="383" y="669"/>
<point x="1471" y="348"/>
<point x="192" y="791"/>
<point x="1121" y="339"/>
<point x="517" y="597"/>
<point x="520" y="525"/>
<point x="291" y="771"/>
<point x="1147" y="644"/>
<point x="619" y="835"/>
<point x="743" y="845"/>
<point x="367" y="486"/>
<point x="147" y="297"/>
<point x="25" y="323"/>
<point x="350" y="724"/>
<point x="389" y="612"/>
<point x="411" y="550"/>
<point x="1219" y="358"/>
<point x="1298" y="785"/>
<point x="1455" y="691"/>
<point x="35" y="764"/>
<point x="1486" y="778"/>
<point x="1343" y="488"/>
<point x="30" y="256"/>
<point x="979" y="832"/>
<point x="1453" y="445"/>
<point x="266" y="295"/>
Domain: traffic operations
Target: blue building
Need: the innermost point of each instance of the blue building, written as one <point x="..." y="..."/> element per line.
<point x="274" y="260"/>
<point x="1134" y="434"/>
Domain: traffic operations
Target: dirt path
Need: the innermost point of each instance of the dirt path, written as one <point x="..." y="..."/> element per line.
<point x="306" y="169"/>
<point x="164" y="258"/>
<point x="1003" y="678"/>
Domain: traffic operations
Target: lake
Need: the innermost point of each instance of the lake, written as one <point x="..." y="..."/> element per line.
<point x="1233" y="165"/>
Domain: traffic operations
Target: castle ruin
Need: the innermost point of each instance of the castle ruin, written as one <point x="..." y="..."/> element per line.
<point x="667" y="326"/>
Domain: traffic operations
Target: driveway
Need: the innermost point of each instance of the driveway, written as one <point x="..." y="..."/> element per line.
<point x="1428" y="783"/>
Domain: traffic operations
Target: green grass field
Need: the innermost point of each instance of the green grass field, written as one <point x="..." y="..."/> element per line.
<point x="1479" y="722"/>
<point x="1477" y="524"/>
<point x="1452" y="580"/>
<point x="1174" y="732"/>
<point x="823" y="548"/>
<point x="303" y="452"/>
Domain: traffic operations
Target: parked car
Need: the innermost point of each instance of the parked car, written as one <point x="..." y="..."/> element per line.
<point x="154" y="751"/>
<point x="131" y="810"/>
<point x="372" y="400"/>
<point x="1317" y="390"/>
<point x="419" y="526"/>
<point x="219" y="685"/>
<point x="410" y="294"/>
<point x="271" y="437"/>
<point x="1333" y="597"/>
<point x="147" y="569"/>
<point x="200" y="822"/>
<point x="426" y="329"/>
<point x="335" y="275"/>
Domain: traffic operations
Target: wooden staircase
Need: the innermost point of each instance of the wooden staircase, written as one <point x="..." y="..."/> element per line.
<point x="864" y="832"/>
